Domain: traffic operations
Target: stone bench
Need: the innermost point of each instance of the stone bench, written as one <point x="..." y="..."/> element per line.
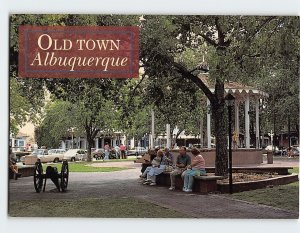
<point x="206" y="184"/>
<point x="202" y="184"/>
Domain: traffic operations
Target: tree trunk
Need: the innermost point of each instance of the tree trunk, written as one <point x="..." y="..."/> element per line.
<point x="89" y="140"/>
<point x="89" y="149"/>
<point x="220" y="123"/>
<point x="219" y="115"/>
<point x="218" y="112"/>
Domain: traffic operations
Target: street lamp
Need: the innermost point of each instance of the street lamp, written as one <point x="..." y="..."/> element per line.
<point x="229" y="100"/>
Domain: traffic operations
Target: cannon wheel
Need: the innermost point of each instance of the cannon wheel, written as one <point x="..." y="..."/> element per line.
<point x="38" y="178"/>
<point x="64" y="176"/>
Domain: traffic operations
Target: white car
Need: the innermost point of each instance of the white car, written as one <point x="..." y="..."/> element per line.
<point x="75" y="155"/>
<point x="44" y="156"/>
<point x="137" y="151"/>
<point x="271" y="148"/>
<point x="56" y="151"/>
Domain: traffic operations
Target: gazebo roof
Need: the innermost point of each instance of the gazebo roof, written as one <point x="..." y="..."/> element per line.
<point x="237" y="89"/>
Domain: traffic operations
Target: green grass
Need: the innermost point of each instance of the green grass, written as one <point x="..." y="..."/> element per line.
<point x="283" y="196"/>
<point x="84" y="167"/>
<point x="102" y="208"/>
<point x="294" y="170"/>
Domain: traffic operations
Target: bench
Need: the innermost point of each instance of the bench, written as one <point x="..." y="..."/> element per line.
<point x="202" y="184"/>
<point x="206" y="184"/>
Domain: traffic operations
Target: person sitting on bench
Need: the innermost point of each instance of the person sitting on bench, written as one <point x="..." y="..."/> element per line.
<point x="147" y="162"/>
<point x="183" y="160"/>
<point x="14" y="169"/>
<point x="169" y="156"/>
<point x="197" y="168"/>
<point x="158" y="166"/>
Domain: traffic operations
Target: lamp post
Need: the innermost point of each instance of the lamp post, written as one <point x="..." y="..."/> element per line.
<point x="229" y="100"/>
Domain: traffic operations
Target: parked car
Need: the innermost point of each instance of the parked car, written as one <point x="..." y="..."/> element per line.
<point x="19" y="156"/>
<point x="98" y="153"/>
<point x="43" y="155"/>
<point x="281" y="152"/>
<point x="56" y="151"/>
<point x="75" y="155"/>
<point x="271" y="148"/>
<point x="197" y="146"/>
<point x="137" y="151"/>
<point x="295" y="150"/>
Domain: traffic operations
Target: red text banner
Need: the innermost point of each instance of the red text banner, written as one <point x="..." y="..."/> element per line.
<point x="78" y="52"/>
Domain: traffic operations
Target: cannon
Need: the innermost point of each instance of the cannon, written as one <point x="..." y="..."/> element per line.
<point x="59" y="179"/>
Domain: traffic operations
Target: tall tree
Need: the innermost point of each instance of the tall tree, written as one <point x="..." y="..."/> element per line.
<point x="228" y="40"/>
<point x="280" y="74"/>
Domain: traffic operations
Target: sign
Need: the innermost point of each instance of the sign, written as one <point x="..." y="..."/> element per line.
<point x="78" y="52"/>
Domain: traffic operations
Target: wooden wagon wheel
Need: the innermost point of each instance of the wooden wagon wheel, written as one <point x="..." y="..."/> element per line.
<point x="38" y="178"/>
<point x="64" y="176"/>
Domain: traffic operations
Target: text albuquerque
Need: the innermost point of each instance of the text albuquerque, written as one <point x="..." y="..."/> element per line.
<point x="80" y="52"/>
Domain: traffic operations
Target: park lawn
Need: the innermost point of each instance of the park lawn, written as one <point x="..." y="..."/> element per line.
<point x="84" y="167"/>
<point x="283" y="196"/>
<point x="294" y="170"/>
<point x="126" y="207"/>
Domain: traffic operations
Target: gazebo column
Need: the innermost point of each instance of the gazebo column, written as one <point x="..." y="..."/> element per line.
<point x="96" y="143"/>
<point x="78" y="143"/>
<point x="237" y="121"/>
<point x="257" y="123"/>
<point x="84" y="144"/>
<point x="102" y="142"/>
<point x="124" y="140"/>
<point x="63" y="145"/>
<point x="208" y="125"/>
<point x="247" y="121"/>
<point x="168" y="135"/>
<point x="132" y="142"/>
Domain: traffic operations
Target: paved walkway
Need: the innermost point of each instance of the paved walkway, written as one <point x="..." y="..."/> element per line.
<point x="281" y="162"/>
<point x="126" y="184"/>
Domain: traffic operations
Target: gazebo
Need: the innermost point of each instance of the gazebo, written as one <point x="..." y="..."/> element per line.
<point x="242" y="93"/>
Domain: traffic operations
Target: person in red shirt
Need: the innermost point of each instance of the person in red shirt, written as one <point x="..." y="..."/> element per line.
<point x="123" y="150"/>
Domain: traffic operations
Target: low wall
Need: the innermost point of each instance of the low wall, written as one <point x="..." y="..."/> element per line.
<point x="252" y="185"/>
<point x="240" y="157"/>
<point x="26" y="170"/>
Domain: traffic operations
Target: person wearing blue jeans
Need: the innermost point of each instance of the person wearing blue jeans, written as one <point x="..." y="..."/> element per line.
<point x="106" y="151"/>
<point x="197" y="168"/>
